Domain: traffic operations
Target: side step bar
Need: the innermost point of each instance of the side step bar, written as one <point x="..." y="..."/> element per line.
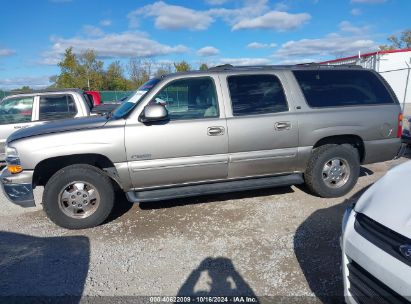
<point x="214" y="188"/>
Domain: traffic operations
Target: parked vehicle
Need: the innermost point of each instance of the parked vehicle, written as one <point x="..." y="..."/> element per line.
<point x="21" y="111"/>
<point x="221" y="130"/>
<point x="376" y="242"/>
<point x="406" y="134"/>
<point x="95" y="97"/>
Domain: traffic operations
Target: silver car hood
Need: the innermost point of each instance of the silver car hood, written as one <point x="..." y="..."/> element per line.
<point x="60" y="126"/>
<point x="388" y="201"/>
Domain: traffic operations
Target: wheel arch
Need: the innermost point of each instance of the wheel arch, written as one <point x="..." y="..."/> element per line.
<point x="351" y="139"/>
<point x="45" y="169"/>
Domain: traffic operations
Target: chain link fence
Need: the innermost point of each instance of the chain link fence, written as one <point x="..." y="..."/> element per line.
<point x="112" y="96"/>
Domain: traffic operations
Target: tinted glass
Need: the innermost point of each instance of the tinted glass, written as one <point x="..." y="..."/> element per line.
<point x="135" y="98"/>
<point x="189" y="98"/>
<point x="16" y="110"/>
<point x="57" y="107"/>
<point x="342" y="88"/>
<point x="256" y="94"/>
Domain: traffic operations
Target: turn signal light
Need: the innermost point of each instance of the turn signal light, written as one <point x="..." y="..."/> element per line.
<point x="14" y="169"/>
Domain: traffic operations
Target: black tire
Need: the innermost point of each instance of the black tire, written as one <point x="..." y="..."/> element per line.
<point x="320" y="156"/>
<point x="67" y="175"/>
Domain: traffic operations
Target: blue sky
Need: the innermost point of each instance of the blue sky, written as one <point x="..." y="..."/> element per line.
<point x="34" y="34"/>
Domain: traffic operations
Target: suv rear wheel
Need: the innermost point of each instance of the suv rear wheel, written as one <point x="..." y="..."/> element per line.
<point x="333" y="170"/>
<point x="78" y="196"/>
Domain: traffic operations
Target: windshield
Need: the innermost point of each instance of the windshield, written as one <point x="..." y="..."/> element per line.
<point x="134" y="99"/>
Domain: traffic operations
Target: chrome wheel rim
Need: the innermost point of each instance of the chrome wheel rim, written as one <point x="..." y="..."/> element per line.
<point x="336" y="172"/>
<point x="79" y="199"/>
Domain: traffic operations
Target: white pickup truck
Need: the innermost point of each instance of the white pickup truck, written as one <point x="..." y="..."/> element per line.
<point x="25" y="110"/>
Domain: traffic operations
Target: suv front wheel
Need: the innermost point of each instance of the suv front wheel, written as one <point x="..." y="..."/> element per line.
<point x="333" y="170"/>
<point x="78" y="196"/>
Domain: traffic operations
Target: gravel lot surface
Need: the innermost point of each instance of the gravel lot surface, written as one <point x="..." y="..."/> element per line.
<point x="275" y="242"/>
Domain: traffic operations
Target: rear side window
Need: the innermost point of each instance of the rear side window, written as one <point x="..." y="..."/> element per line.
<point x="256" y="94"/>
<point x="342" y="88"/>
<point x="57" y="107"/>
<point x="16" y="110"/>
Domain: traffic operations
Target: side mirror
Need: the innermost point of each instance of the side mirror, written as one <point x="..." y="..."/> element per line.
<point x="153" y="113"/>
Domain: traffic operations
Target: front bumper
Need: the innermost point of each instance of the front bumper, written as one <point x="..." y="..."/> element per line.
<point x="385" y="269"/>
<point x="18" y="187"/>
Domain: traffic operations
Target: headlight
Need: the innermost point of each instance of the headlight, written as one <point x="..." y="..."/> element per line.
<point x="11" y="152"/>
<point x="13" y="160"/>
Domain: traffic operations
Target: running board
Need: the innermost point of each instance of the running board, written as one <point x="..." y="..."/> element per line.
<point x="214" y="188"/>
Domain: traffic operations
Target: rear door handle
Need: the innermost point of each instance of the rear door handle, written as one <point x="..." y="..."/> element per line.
<point x="282" y="125"/>
<point x="215" y="131"/>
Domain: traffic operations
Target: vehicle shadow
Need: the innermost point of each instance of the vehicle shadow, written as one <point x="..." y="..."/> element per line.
<point x="37" y="269"/>
<point x="121" y="206"/>
<point x="214" y="198"/>
<point x="317" y="248"/>
<point x="407" y="153"/>
<point x="365" y="171"/>
<point x="216" y="277"/>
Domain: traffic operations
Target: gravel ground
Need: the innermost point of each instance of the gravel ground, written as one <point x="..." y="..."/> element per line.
<point x="275" y="242"/>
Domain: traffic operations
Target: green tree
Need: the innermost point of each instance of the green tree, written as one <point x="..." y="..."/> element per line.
<point x="115" y="79"/>
<point x="23" y="89"/>
<point x="91" y="70"/>
<point x="403" y="41"/>
<point x="69" y="71"/>
<point x="203" y="67"/>
<point x="182" y="66"/>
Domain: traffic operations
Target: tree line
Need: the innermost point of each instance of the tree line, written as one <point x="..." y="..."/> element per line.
<point x="86" y="71"/>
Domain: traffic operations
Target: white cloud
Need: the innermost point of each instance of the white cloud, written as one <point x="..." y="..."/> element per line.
<point x="252" y="14"/>
<point x="259" y="45"/>
<point x="333" y="45"/>
<point x="172" y="17"/>
<point x="6" y="52"/>
<point x="281" y="6"/>
<point x="346" y="26"/>
<point x="106" y="22"/>
<point x="368" y="1"/>
<point x="36" y="82"/>
<point x="245" y="61"/>
<point x="92" y="31"/>
<point x="127" y="44"/>
<point x="251" y="8"/>
<point x="208" y="51"/>
<point x="356" y="12"/>
<point x="275" y="20"/>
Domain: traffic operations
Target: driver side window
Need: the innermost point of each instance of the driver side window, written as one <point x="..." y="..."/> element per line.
<point x="191" y="98"/>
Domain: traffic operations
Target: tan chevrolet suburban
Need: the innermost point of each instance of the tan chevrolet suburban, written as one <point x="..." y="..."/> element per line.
<point x="221" y="130"/>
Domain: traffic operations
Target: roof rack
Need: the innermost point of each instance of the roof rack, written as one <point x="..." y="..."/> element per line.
<point x="229" y="67"/>
<point x="47" y="91"/>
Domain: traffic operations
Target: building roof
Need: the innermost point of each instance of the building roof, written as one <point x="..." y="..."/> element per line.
<point x="366" y="55"/>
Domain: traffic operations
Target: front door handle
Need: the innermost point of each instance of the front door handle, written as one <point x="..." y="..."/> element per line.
<point x="215" y="131"/>
<point x="282" y="125"/>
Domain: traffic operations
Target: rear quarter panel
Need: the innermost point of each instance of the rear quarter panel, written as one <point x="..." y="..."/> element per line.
<point x="376" y="125"/>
